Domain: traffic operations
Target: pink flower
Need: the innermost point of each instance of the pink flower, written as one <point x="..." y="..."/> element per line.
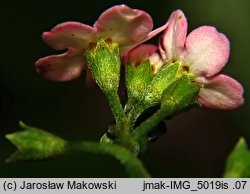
<point x="121" y="24"/>
<point x="144" y="52"/>
<point x="204" y="52"/>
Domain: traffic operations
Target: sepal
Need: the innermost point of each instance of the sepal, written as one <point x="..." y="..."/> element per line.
<point x="150" y="92"/>
<point x="160" y="82"/>
<point x="137" y="81"/>
<point x="104" y="64"/>
<point x="180" y="95"/>
<point x="106" y="139"/>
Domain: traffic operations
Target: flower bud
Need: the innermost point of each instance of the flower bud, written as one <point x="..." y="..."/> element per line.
<point x="33" y="144"/>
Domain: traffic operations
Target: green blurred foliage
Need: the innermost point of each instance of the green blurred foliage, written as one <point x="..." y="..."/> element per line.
<point x="238" y="162"/>
<point x="197" y="143"/>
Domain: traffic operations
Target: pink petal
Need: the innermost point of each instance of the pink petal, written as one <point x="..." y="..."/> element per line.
<point x="124" y="25"/>
<point x="156" y="31"/>
<point x="149" y="36"/>
<point x="70" y="34"/>
<point x="139" y="54"/>
<point x="64" y="67"/>
<point x="207" y="51"/>
<point x="221" y="92"/>
<point x="172" y="42"/>
<point x="156" y="62"/>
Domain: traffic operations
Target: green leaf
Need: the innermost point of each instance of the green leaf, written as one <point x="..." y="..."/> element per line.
<point x="180" y="95"/>
<point x="104" y="64"/>
<point x="34" y="144"/>
<point x="238" y="162"/>
<point x="137" y="80"/>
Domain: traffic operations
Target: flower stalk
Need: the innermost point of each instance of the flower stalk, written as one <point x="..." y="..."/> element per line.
<point x="116" y="107"/>
<point x="132" y="164"/>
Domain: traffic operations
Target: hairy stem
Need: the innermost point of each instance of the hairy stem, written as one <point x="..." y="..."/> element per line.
<point x="150" y="123"/>
<point x="133" y="115"/>
<point x="132" y="164"/>
<point x="116" y="107"/>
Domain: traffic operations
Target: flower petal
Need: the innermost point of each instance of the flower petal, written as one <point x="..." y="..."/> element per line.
<point x="124" y="25"/>
<point x="156" y="31"/>
<point x="207" y="51"/>
<point x="64" y="67"/>
<point x="172" y="42"/>
<point x="139" y="54"/>
<point x="156" y="62"/>
<point x="222" y="92"/>
<point x="69" y="34"/>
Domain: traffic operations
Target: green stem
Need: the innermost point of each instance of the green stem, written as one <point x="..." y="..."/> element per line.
<point x="150" y="123"/>
<point x="135" y="112"/>
<point x="116" y="107"/>
<point x="132" y="164"/>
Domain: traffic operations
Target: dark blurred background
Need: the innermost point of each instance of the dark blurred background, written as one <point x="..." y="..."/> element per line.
<point x="196" y="143"/>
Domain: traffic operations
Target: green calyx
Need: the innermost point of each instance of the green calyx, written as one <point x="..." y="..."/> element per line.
<point x="104" y="64"/>
<point x="35" y="144"/>
<point x="160" y="82"/>
<point x="144" y="89"/>
<point x="180" y="95"/>
<point x="137" y="81"/>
